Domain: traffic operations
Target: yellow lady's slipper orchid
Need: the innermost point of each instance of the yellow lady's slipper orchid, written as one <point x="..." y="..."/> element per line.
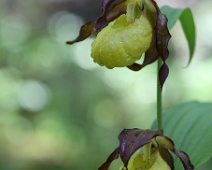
<point x="146" y="150"/>
<point x="126" y="30"/>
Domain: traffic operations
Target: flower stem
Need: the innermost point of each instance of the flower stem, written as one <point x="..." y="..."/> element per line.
<point x="159" y="97"/>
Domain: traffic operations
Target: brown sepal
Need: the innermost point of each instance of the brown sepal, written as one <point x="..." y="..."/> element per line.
<point x="106" y="4"/>
<point x="163" y="74"/>
<point x="85" y="31"/>
<point x="135" y="67"/>
<point x="166" y="144"/>
<point x="184" y="158"/>
<point x="165" y="154"/>
<point x="114" y="155"/>
<point x="109" y="15"/>
<point x="162" y="38"/>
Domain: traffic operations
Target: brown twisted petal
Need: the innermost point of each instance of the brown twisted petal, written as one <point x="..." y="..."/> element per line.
<point x="162" y="38"/>
<point x="109" y="15"/>
<point x="114" y="155"/>
<point x="184" y="158"/>
<point x="85" y="31"/>
<point x="159" y="46"/>
<point x="167" y="143"/>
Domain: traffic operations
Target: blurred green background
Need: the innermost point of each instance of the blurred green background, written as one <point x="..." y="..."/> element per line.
<point x="61" y="111"/>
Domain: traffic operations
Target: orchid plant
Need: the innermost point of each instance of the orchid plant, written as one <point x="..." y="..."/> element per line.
<point x="126" y="31"/>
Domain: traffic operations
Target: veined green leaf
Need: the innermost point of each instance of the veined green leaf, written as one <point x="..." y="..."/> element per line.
<point x="189" y="126"/>
<point x="186" y="19"/>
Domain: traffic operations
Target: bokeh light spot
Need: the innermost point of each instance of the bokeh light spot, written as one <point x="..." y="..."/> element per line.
<point x="82" y="55"/>
<point x="18" y="130"/>
<point x="64" y="26"/>
<point x="10" y="84"/>
<point x="105" y="114"/>
<point x="33" y="96"/>
<point x="15" y="29"/>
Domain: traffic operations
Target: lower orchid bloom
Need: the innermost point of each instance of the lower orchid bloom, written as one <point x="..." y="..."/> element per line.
<point x="146" y="150"/>
<point x="147" y="158"/>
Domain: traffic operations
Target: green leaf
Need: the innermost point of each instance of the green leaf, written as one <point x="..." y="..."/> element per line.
<point x="186" y="19"/>
<point x="188" y="26"/>
<point x="172" y="14"/>
<point x="189" y="126"/>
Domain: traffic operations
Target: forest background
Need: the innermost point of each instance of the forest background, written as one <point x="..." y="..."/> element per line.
<point x="58" y="109"/>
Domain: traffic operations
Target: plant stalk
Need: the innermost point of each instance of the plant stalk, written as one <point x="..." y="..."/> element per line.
<point x="159" y="97"/>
